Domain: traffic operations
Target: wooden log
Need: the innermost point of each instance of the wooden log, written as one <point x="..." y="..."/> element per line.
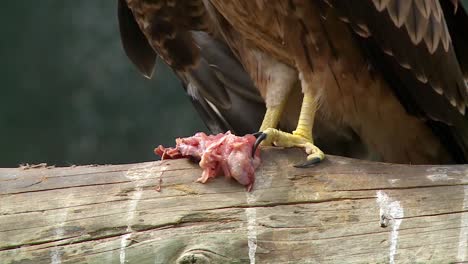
<point x="341" y="211"/>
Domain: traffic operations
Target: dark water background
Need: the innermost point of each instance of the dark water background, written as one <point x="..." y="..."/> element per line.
<point x="70" y="96"/>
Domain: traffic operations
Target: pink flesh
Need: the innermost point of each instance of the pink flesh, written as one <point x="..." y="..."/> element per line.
<point x="218" y="154"/>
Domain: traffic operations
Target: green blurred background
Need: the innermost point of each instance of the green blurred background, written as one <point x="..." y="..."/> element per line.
<point x="71" y="96"/>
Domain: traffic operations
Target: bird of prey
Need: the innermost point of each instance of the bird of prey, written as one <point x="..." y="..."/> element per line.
<point x="386" y="79"/>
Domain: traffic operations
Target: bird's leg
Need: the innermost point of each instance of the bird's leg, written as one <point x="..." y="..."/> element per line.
<point x="277" y="80"/>
<point x="272" y="117"/>
<point x="304" y="130"/>
<point x="301" y="137"/>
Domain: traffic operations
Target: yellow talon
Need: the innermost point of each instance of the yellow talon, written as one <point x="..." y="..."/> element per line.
<point x="288" y="140"/>
<point x="301" y="137"/>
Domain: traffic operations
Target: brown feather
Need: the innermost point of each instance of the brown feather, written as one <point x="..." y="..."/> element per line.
<point x="416" y="26"/>
<point x="134" y="42"/>
<point x="423" y="7"/>
<point x="399" y="11"/>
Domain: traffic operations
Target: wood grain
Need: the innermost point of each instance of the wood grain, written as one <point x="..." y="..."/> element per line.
<point x="341" y="211"/>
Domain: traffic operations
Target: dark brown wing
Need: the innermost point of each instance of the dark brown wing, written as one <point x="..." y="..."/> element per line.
<point x="219" y="69"/>
<point x="220" y="89"/>
<point x="457" y="21"/>
<point x="134" y="42"/>
<point x="409" y="42"/>
<point x="167" y="24"/>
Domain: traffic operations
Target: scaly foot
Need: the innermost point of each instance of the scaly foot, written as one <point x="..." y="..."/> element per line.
<point x="278" y="138"/>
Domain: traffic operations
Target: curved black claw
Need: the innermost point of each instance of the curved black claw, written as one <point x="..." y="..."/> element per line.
<point x="257" y="134"/>
<point x="260" y="137"/>
<point x="309" y="163"/>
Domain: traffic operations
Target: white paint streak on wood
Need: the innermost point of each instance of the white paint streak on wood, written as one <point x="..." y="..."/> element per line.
<point x="123" y="245"/>
<point x="135" y="198"/>
<point x="343" y="162"/>
<point x="55" y="255"/>
<point x="393" y="181"/>
<point x="394" y="211"/>
<point x="251" y="232"/>
<point x="438" y="174"/>
<point x="439" y="177"/>
<point x="262" y="180"/>
<point x="137" y="175"/>
<point x="463" y="237"/>
<point x="251" y="215"/>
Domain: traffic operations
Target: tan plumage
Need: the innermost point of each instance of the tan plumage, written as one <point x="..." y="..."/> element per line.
<point x="384" y="74"/>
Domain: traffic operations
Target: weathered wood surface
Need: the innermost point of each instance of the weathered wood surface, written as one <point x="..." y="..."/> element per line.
<point x="332" y="213"/>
